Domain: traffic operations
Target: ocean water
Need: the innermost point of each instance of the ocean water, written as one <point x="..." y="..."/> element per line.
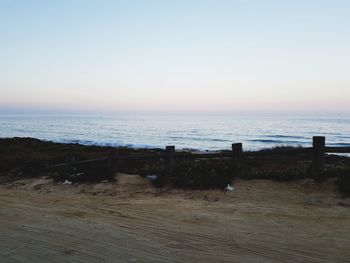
<point x="194" y="132"/>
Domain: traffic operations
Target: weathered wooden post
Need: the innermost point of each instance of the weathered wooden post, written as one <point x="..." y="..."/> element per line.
<point x="237" y="152"/>
<point x="169" y="160"/>
<point x="318" y="156"/>
<point x="112" y="164"/>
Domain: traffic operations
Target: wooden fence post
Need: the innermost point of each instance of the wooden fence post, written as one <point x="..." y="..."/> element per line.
<point x="170" y="160"/>
<point x="318" y="156"/>
<point x="112" y="164"/>
<point x="237" y="151"/>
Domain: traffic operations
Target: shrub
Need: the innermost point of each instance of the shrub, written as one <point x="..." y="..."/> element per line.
<point x="287" y="174"/>
<point x="203" y="174"/>
<point x="343" y="184"/>
<point x="89" y="172"/>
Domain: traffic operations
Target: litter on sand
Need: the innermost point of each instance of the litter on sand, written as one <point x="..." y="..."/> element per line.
<point x="151" y="177"/>
<point x="229" y="188"/>
<point x="66" y="182"/>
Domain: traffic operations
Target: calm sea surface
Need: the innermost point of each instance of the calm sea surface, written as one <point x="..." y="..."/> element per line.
<point x="195" y="132"/>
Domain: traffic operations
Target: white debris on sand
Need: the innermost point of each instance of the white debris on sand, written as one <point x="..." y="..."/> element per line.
<point x="151" y="177"/>
<point x="229" y="188"/>
<point x="66" y="182"/>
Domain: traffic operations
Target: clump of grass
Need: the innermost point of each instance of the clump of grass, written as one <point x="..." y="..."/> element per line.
<point x="280" y="147"/>
<point x="286" y="174"/>
<point x="89" y="172"/>
<point x="203" y="174"/>
<point x="154" y="168"/>
<point x="343" y="184"/>
<point x="342" y="172"/>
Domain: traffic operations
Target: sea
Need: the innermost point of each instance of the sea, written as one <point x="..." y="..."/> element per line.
<point x="200" y="132"/>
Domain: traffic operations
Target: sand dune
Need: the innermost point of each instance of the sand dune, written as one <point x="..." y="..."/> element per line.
<point x="130" y="221"/>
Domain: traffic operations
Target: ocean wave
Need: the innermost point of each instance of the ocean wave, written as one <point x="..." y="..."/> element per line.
<point x="274" y="141"/>
<point x="285" y="136"/>
<point x="104" y="144"/>
<point x="198" y="139"/>
<point x="342" y="137"/>
<point x="339" y="144"/>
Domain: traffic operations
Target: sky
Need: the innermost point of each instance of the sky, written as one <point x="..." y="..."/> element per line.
<point x="132" y="56"/>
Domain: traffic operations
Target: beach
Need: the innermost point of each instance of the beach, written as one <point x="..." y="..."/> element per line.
<point x="132" y="221"/>
<point x="174" y="131"/>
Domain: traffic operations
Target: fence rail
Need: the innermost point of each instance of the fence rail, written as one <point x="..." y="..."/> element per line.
<point x="318" y="151"/>
<point x="337" y="149"/>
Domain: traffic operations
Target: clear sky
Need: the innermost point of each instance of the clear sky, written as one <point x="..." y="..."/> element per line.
<point x="175" y="56"/>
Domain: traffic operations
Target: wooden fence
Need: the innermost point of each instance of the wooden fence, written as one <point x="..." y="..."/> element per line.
<point x="318" y="151"/>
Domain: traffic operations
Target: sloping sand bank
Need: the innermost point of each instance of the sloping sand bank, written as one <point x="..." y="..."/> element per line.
<point x="130" y="221"/>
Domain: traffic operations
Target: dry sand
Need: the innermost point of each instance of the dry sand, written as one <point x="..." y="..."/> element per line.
<point x="130" y="221"/>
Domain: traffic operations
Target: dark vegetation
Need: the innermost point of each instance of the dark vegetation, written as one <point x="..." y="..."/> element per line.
<point x="203" y="174"/>
<point x="27" y="157"/>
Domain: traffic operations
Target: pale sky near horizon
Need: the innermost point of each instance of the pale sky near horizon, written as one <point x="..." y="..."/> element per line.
<point x="175" y="56"/>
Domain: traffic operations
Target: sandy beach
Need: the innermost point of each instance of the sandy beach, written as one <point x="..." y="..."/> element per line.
<point x="131" y="221"/>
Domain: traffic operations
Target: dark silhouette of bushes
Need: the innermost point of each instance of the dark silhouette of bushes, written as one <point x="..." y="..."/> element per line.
<point x="203" y="174"/>
<point x="286" y="174"/>
<point x="28" y="157"/>
<point x="343" y="184"/>
<point x="89" y="172"/>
